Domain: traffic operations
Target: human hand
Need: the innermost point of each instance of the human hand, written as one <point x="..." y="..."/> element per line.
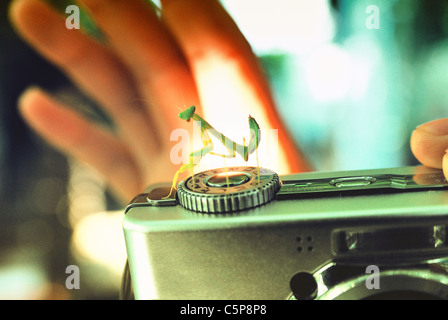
<point x="429" y="143"/>
<point x="148" y="70"/>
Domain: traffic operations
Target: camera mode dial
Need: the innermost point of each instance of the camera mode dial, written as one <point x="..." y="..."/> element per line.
<point x="228" y="189"/>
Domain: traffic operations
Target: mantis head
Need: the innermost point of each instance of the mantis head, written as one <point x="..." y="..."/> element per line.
<point x="187" y="114"/>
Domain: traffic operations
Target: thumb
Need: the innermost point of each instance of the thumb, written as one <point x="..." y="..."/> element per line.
<point x="429" y="143"/>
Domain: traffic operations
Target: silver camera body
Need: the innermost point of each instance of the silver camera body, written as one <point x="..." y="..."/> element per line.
<point x="246" y="233"/>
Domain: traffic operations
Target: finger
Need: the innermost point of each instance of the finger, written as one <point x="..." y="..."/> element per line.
<point x="217" y="51"/>
<point x="230" y="82"/>
<point x="73" y="135"/>
<point x="429" y="142"/>
<point x="445" y="164"/>
<point x="93" y="68"/>
<point x="134" y="30"/>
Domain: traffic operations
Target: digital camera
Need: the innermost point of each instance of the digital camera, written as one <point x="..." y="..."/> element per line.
<point x="246" y="233"/>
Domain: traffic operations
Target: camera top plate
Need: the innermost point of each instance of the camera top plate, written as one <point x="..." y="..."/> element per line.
<point x="367" y="182"/>
<point x="150" y="211"/>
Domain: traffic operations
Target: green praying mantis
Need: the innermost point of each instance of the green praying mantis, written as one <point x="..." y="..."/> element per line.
<point x="232" y="147"/>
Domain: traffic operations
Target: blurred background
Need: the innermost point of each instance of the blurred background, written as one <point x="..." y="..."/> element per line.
<point x="351" y="81"/>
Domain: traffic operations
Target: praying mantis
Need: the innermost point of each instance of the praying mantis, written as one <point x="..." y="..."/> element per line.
<point x="232" y="147"/>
